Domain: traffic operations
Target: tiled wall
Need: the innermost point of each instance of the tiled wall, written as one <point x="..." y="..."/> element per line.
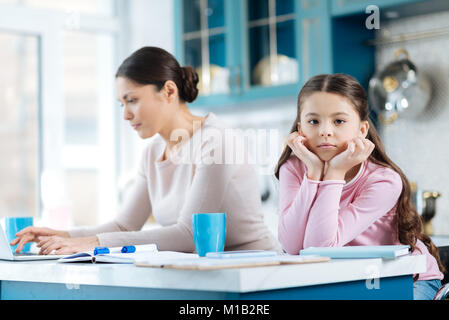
<point x="420" y="146"/>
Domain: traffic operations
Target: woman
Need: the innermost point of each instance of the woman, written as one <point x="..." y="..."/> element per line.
<point x="176" y="177"/>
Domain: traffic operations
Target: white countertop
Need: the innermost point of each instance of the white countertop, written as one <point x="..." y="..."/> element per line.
<point x="440" y="241"/>
<point x="225" y="280"/>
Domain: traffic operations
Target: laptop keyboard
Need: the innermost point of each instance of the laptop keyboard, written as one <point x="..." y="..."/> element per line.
<point x="25" y="254"/>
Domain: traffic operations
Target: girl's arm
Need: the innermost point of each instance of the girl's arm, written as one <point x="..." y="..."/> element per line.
<point x="297" y="143"/>
<point x="296" y="196"/>
<point x="331" y="226"/>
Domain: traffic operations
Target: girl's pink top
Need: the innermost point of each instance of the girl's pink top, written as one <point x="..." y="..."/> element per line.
<point x="334" y="213"/>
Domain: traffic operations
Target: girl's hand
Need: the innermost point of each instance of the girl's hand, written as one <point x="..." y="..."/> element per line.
<point x="32" y="234"/>
<point x="357" y="151"/>
<point x="62" y="245"/>
<point x="313" y="163"/>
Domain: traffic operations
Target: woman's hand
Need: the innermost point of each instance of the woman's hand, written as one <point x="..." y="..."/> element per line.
<point x="32" y="234"/>
<point x="357" y="151"/>
<point x="63" y="245"/>
<point x="313" y="163"/>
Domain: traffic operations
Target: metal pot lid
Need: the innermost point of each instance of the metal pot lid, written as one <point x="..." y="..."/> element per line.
<point x="399" y="89"/>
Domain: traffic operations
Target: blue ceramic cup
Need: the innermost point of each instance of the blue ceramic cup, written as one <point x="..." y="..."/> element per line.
<point x="14" y="225"/>
<point x="209" y="232"/>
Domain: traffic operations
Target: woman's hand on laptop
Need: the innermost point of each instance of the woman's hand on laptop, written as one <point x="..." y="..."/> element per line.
<point x="33" y="234"/>
<point x="63" y="245"/>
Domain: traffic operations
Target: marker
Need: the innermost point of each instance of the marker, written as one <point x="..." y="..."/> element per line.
<point x="101" y="250"/>
<point x="128" y="249"/>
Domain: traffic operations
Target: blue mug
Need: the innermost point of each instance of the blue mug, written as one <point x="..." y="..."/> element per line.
<point x="14" y="225"/>
<point x="209" y="232"/>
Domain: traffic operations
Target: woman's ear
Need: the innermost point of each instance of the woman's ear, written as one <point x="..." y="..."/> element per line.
<point x="364" y="127"/>
<point x="170" y="90"/>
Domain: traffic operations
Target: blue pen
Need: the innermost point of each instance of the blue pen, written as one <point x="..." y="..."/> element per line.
<point x="101" y="250"/>
<point x="128" y="249"/>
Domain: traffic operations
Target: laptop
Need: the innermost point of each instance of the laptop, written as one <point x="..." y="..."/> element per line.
<point x="7" y="254"/>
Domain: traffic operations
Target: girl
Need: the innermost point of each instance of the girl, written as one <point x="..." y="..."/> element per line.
<point x="154" y="91"/>
<point x="337" y="185"/>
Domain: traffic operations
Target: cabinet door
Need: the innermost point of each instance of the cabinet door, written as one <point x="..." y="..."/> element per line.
<point x="314" y="38"/>
<point x="271" y="37"/>
<point x="204" y="38"/>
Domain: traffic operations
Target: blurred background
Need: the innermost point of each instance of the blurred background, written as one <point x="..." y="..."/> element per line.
<point x="68" y="157"/>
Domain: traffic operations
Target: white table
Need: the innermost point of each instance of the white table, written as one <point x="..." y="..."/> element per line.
<point x="336" y="279"/>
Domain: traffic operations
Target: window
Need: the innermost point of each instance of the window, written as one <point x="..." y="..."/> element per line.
<point x="19" y="132"/>
<point x="88" y="122"/>
<point x="60" y="111"/>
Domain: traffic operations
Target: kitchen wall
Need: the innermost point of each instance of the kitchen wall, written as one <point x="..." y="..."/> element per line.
<point x="420" y="146"/>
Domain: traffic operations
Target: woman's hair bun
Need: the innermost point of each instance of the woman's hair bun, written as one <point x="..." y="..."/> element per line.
<point x="189" y="90"/>
<point x="156" y="66"/>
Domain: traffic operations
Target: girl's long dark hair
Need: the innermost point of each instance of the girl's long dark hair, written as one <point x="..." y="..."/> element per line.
<point x="409" y="223"/>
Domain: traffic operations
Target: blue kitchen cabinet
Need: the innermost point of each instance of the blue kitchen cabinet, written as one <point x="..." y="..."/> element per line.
<point x="350" y="35"/>
<point x="205" y="32"/>
<point x="257" y="42"/>
<point x="350" y="7"/>
<point x="246" y="38"/>
<point x="314" y="38"/>
<point x="302" y="37"/>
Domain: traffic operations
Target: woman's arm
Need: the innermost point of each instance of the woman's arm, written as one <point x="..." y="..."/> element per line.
<point x="134" y="213"/>
<point x="206" y="194"/>
<point x="135" y="210"/>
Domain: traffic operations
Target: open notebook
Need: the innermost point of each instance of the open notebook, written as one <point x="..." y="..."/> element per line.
<point x="114" y="257"/>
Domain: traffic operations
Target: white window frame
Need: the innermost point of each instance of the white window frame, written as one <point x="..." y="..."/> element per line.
<point x="47" y="25"/>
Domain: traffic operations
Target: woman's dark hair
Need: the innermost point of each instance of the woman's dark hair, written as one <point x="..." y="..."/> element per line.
<point x="153" y="65"/>
<point x="408" y="220"/>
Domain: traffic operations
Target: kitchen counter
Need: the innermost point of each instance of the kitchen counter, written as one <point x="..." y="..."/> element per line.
<point x="338" y="278"/>
<point x="440" y="241"/>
